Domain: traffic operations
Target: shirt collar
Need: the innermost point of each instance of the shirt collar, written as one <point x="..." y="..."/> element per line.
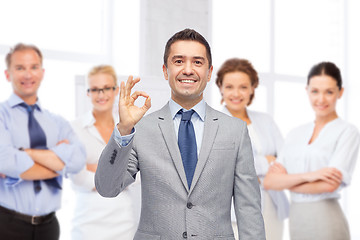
<point x="199" y="108"/>
<point x="88" y="119"/>
<point x="226" y="111"/>
<point x="15" y="100"/>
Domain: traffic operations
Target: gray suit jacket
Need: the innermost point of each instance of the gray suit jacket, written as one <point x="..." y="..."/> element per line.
<point x="170" y="210"/>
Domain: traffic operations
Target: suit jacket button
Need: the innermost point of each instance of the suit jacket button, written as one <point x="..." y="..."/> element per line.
<point x="189" y="205"/>
<point x="184" y="234"/>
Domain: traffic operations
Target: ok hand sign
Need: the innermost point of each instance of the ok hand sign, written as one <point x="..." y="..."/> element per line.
<point x="129" y="114"/>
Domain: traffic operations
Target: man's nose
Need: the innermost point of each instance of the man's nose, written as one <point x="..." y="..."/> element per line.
<point x="28" y="73"/>
<point x="188" y="70"/>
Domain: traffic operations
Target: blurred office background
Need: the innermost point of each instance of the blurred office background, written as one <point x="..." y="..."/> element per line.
<point x="283" y="39"/>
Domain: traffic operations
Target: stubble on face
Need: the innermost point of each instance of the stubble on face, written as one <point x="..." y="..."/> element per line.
<point x="188" y="72"/>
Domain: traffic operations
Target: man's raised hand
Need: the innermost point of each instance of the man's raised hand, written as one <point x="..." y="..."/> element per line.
<point x="129" y="114"/>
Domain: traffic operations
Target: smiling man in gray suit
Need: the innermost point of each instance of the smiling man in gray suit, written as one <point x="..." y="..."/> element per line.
<point x="192" y="159"/>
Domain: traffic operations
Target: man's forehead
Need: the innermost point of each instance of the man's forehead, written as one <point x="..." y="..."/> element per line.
<point x="187" y="48"/>
<point x="28" y="52"/>
<point x="26" y="55"/>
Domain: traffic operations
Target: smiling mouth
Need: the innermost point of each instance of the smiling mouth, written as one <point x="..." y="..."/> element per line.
<point x="187" y="81"/>
<point x="101" y="101"/>
<point x="321" y="107"/>
<point x="27" y="84"/>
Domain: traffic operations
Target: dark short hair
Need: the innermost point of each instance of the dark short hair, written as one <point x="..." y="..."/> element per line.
<point x="190" y="35"/>
<point x="326" y="68"/>
<point x="21" y="47"/>
<point x="238" y="65"/>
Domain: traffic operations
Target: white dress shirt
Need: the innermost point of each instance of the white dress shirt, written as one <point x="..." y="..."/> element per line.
<point x="96" y="217"/>
<point x="197" y="119"/>
<point x="336" y="146"/>
<point x="16" y="193"/>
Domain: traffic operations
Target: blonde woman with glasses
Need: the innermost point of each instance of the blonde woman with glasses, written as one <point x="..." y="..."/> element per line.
<point x="96" y="217"/>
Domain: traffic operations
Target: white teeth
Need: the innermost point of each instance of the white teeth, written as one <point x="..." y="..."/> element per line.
<point x="187" y="81"/>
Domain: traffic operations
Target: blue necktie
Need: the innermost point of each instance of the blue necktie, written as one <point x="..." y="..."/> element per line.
<point x="187" y="144"/>
<point x="37" y="141"/>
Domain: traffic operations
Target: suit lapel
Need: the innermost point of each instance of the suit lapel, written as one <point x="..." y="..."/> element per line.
<point x="210" y="130"/>
<point x="166" y="126"/>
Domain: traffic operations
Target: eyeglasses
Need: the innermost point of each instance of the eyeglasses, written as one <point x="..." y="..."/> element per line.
<point x="98" y="90"/>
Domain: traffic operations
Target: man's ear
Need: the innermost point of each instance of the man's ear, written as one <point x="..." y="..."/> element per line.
<point x="165" y="72"/>
<point x="210" y="73"/>
<point x="7" y="75"/>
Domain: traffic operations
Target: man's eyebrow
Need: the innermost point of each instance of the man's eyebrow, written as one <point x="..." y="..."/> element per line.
<point x="177" y="56"/>
<point x="21" y="65"/>
<point x="181" y="56"/>
<point x="199" y="57"/>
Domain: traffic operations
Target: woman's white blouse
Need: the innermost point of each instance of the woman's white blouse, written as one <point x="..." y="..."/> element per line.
<point x="94" y="216"/>
<point x="336" y="146"/>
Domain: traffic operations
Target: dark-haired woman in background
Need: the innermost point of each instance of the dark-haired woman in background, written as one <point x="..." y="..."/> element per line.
<point x="237" y="80"/>
<point x="317" y="161"/>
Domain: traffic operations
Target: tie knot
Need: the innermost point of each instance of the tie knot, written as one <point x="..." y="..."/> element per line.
<point x="29" y="108"/>
<point x="186" y="116"/>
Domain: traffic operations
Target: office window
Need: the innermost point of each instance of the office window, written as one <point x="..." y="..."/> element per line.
<point x="5" y="86"/>
<point x="307" y="32"/>
<point x="241" y="29"/>
<point x="57" y="91"/>
<point x="126" y="37"/>
<point x="73" y="36"/>
<point x="51" y="25"/>
<point x="291" y="98"/>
